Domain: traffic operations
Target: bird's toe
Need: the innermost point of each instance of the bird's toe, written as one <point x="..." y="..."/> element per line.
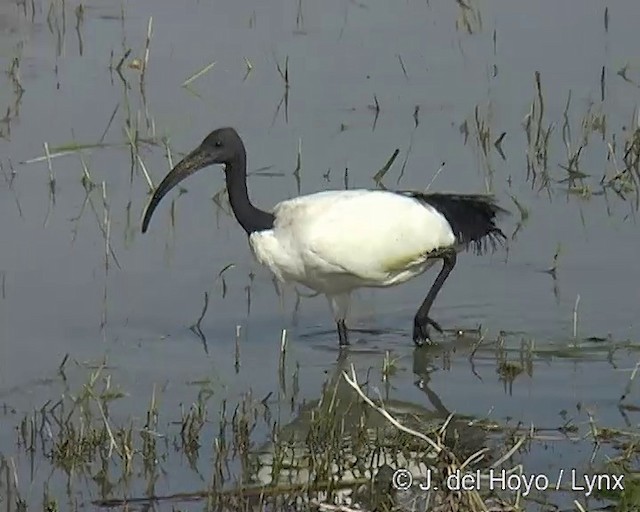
<point x="420" y="333"/>
<point x="421" y="330"/>
<point x="435" y="325"/>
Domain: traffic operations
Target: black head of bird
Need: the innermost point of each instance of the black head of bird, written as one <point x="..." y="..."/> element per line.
<point x="221" y="146"/>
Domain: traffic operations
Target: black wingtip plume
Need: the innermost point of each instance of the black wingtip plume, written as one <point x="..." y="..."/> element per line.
<point x="472" y="218"/>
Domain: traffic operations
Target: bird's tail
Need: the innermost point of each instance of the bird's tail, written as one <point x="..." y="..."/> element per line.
<point x="472" y="218"/>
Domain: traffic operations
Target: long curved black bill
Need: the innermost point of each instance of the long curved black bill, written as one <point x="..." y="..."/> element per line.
<point x="191" y="163"/>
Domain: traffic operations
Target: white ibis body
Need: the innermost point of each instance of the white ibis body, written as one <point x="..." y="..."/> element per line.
<point x="336" y="241"/>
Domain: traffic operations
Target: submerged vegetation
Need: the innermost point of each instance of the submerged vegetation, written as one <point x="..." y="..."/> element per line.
<point x="353" y="448"/>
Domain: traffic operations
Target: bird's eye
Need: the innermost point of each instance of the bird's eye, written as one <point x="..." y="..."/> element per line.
<point x="218" y="144"/>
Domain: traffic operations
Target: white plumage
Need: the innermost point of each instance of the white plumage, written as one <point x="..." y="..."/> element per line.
<point x="336" y="241"/>
<point x="339" y="240"/>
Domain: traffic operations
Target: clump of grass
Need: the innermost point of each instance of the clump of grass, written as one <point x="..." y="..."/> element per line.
<point x="379" y="176"/>
<point x="621" y="150"/>
<point x="627" y="180"/>
<point x="485" y="141"/>
<point x="375" y="107"/>
<point x="509" y="370"/>
<point x="283" y="71"/>
<point x="192" y="424"/>
<point x="9" y="477"/>
<point x="197" y="327"/>
<point x="538" y="136"/>
<point x="389" y="366"/>
<point x="76" y="431"/>
<point x="523" y="211"/>
<point x="469" y="17"/>
<point x="621" y="468"/>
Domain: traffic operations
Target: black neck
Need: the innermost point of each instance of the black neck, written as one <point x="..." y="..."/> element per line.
<point x="250" y="218"/>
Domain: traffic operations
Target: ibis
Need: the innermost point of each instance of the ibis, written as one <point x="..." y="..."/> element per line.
<point x="334" y="242"/>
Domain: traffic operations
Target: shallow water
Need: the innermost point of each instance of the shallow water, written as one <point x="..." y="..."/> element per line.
<point x="58" y="298"/>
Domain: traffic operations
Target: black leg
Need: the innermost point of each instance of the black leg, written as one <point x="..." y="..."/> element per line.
<point x="343" y="334"/>
<point x="422" y="321"/>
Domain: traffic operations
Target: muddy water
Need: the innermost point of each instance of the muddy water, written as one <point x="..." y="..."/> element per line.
<point x="429" y="65"/>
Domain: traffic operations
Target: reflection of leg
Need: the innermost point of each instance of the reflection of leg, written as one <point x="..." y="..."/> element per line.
<point x="422" y="358"/>
<point x="422" y="321"/>
<point x="435" y="400"/>
<point x="340" y="308"/>
<point x="343" y="333"/>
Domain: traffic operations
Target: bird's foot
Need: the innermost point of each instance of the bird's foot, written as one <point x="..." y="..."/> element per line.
<point x="421" y="329"/>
